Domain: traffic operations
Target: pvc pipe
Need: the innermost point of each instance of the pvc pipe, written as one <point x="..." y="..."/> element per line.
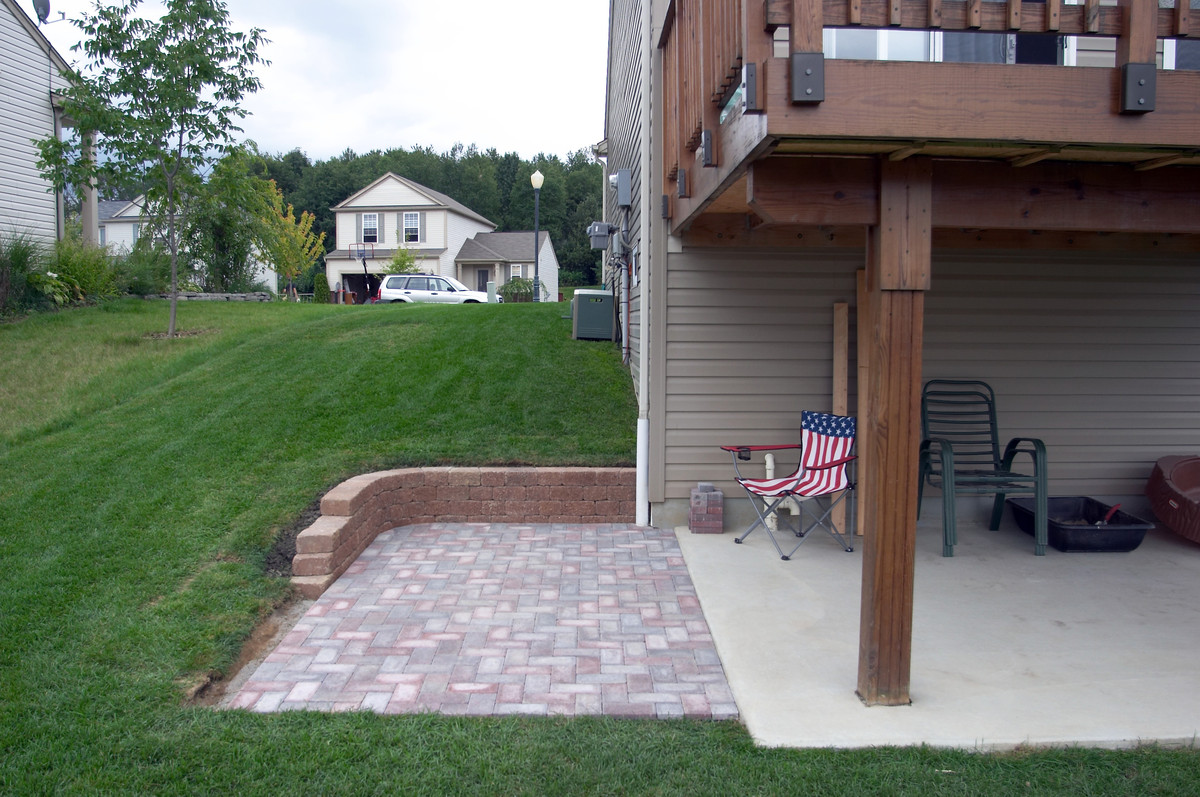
<point x="642" y="488"/>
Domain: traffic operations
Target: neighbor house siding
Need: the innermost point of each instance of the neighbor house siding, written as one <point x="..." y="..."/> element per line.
<point x="27" y="77"/>
<point x="1098" y="355"/>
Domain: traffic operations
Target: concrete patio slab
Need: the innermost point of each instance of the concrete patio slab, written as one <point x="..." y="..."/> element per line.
<point x="1009" y="649"/>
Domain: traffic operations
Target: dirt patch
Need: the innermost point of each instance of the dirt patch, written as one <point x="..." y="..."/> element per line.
<point x="213" y="690"/>
<point x="179" y="333"/>
<point x="216" y="691"/>
<point x="279" y="559"/>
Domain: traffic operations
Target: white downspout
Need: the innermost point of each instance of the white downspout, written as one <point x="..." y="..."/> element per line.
<point x="645" y="185"/>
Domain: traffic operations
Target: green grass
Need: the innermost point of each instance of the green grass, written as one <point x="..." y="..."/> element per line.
<point x="142" y="482"/>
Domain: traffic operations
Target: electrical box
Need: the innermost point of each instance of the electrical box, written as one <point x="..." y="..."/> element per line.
<point x="592" y="315"/>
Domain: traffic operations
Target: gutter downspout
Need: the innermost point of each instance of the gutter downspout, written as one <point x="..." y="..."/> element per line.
<point x="642" y="489"/>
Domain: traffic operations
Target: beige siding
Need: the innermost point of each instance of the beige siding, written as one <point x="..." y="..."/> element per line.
<point x="1097" y="355"/>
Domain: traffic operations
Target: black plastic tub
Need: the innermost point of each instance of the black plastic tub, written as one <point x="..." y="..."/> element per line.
<point x="1071" y="524"/>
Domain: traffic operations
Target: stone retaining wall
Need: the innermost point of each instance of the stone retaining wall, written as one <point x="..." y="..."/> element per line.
<point x="357" y="510"/>
<point x="192" y="296"/>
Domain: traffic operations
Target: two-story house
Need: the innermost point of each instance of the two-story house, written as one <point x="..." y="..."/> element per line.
<point x="444" y="236"/>
<point x="977" y="209"/>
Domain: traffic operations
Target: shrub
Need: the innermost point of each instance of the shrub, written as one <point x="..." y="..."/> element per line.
<point x="20" y="256"/>
<point x="517" y="289"/>
<point x="144" y="271"/>
<point x="90" y="268"/>
<point x="320" y="288"/>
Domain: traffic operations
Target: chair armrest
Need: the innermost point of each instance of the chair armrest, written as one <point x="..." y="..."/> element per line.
<point x="760" y="448"/>
<point x="1036" y="449"/>
<point x="743" y="453"/>
<point x="833" y="464"/>
<point x="941" y="449"/>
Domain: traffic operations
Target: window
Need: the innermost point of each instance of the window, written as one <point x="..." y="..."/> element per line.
<point x="516" y="271"/>
<point x="412" y="228"/>
<point x="103" y="235"/>
<point x="370" y="228"/>
<point x="136" y="229"/>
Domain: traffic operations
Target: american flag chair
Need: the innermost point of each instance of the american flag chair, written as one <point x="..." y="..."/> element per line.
<point x="822" y="480"/>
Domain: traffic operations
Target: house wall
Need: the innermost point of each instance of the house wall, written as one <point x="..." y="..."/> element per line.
<point x="118" y="235"/>
<point x="456" y="231"/>
<point x="1099" y="355"/>
<point x="27" y="76"/>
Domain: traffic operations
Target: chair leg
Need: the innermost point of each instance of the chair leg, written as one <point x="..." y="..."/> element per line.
<point x="762" y="521"/>
<point x="997" y="511"/>
<point x="949" y="526"/>
<point x="823" y="520"/>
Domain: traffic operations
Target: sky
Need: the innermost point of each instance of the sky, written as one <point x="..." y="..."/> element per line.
<point x="524" y="76"/>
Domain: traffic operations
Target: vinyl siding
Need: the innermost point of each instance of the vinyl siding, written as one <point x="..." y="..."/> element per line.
<point x="390" y="193"/>
<point x="624" y="128"/>
<point x="1098" y="355"/>
<point x="27" y="78"/>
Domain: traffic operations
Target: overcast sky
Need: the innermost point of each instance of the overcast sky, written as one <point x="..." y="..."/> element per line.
<point x="523" y="76"/>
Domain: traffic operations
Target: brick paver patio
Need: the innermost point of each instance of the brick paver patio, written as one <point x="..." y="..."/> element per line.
<point x="482" y="619"/>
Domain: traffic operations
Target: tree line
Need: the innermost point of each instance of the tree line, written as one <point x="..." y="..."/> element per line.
<point x="494" y="185"/>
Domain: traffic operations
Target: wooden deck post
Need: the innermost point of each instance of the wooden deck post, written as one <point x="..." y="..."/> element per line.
<point x="898" y="274"/>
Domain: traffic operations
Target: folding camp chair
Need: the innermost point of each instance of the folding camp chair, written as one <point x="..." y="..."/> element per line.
<point x="960" y="453"/>
<point x="821" y="479"/>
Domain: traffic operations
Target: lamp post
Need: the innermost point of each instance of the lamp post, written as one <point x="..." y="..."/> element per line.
<point x="536" y="180"/>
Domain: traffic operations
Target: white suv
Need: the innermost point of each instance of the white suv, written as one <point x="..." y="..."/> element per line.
<point x="427" y="288"/>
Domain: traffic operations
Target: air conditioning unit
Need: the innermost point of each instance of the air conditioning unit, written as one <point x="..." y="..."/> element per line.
<point x="592" y="315"/>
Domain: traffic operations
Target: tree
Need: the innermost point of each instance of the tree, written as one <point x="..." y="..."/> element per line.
<point x="160" y="100"/>
<point x="229" y="220"/>
<point x="291" y="242"/>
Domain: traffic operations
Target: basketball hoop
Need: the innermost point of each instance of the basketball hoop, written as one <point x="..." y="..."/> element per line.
<point x="363" y="250"/>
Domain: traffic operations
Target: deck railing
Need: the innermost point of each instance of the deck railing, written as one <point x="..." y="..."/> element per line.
<point x="705" y="42"/>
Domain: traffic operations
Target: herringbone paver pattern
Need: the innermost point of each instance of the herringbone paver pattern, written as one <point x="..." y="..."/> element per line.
<point x="488" y="619"/>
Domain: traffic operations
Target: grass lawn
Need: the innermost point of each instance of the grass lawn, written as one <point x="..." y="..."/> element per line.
<point x="143" y="481"/>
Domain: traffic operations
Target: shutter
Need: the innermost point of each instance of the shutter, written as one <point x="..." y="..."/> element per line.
<point x="421" y="234"/>
<point x="358" y="228"/>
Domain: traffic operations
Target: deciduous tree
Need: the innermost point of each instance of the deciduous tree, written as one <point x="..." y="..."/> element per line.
<point x="160" y="99"/>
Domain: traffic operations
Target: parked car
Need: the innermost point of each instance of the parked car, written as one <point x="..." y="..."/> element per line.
<point x="427" y="288"/>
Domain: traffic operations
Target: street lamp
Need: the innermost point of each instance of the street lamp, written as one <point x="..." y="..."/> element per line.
<point x="536" y="180"/>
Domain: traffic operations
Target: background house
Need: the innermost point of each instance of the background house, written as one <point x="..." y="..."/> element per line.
<point x="394" y="211"/>
<point x="29" y="77"/>
<point x="122" y="223"/>
<point x="501" y="256"/>
<point x="1033" y="225"/>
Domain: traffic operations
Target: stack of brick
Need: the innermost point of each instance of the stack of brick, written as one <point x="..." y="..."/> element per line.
<point x="707" y="512"/>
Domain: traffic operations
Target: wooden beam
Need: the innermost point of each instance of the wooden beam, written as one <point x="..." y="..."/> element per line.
<point x="1182" y="23"/>
<point x="984" y="102"/>
<point x="1137" y="42"/>
<point x="1053" y="14"/>
<point x="733" y="229"/>
<point x="1034" y="157"/>
<point x="1091" y="16"/>
<point x="841" y="384"/>
<point x="899" y="251"/>
<point x="1059" y="196"/>
<point x="814" y="191"/>
<point x="935" y="14"/>
<point x="862" y="360"/>
<point x="906" y="218"/>
<point x="1014" y="14"/>
<point x="1158" y="163"/>
<point x="907" y="152"/>
<point x="888" y="496"/>
<point x="808" y="23"/>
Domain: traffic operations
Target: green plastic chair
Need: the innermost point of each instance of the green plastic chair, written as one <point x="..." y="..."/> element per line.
<point x="958" y="427"/>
